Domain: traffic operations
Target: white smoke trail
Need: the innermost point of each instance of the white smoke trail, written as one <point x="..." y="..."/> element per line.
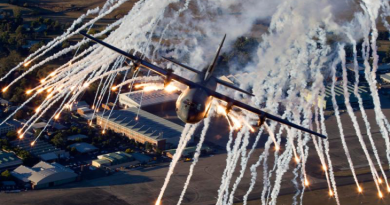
<point x="327" y="150"/>
<point x="339" y="124"/>
<point x="223" y="189"/>
<point x="196" y="158"/>
<point x="244" y="163"/>
<point x="354" y="119"/>
<point x="283" y="166"/>
<point x="370" y="76"/>
<point x="228" y="157"/>
<point x="185" y="137"/>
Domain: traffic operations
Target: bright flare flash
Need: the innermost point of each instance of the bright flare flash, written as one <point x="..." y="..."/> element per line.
<point x="360" y="190"/>
<point x="170" y="88"/>
<point x="330" y="193"/>
<point x="236" y="123"/>
<point x="307" y="182"/>
<point x="28" y="92"/>
<point x="32" y="143"/>
<point x="114" y="88"/>
<point x="380" y="194"/>
<point x="49" y="96"/>
<point x="21" y="136"/>
<point x="297" y="159"/>
<point x="104" y="132"/>
<point x="27" y="63"/>
<point x="380" y="181"/>
<point x="37" y="109"/>
<point x="57" y="116"/>
<point x="324" y="167"/>
<point x="42" y="80"/>
<point x="221" y="110"/>
<point x="5" y="89"/>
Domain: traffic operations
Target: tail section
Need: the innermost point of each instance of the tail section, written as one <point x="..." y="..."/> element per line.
<point x="210" y="70"/>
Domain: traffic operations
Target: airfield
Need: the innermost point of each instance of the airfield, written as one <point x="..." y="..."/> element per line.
<point x="142" y="185"/>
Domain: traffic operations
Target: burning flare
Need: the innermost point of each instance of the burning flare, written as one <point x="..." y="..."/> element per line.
<point x="26" y="64"/>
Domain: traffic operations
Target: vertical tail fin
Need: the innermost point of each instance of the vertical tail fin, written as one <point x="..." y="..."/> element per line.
<point x="210" y="70"/>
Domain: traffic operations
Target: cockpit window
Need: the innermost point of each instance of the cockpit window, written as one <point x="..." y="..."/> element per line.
<point x="192" y="105"/>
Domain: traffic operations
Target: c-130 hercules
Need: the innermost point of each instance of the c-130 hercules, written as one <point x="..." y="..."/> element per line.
<point x="194" y="102"/>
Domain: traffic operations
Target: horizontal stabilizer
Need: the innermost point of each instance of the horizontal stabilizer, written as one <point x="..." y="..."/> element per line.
<point x="227" y="84"/>
<point x="181" y="65"/>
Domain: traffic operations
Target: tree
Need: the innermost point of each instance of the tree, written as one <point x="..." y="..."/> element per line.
<point x="19" y="30"/>
<point x="14" y="2"/>
<point x="65" y="44"/>
<point x="58" y="140"/>
<point x="73" y="150"/>
<point x="6" y="174"/>
<point x="148" y="146"/>
<point x="37" y="132"/>
<point x="387" y="58"/>
<point x="12" y="135"/>
<point x="19" y="115"/>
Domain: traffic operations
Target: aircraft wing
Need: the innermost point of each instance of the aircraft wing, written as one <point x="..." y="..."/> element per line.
<point x="260" y="112"/>
<point x="170" y="76"/>
<point x="135" y="59"/>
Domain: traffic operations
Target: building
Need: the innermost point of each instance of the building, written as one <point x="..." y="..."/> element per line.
<point x="86" y="113"/>
<point x="385" y="78"/>
<point x="111" y="159"/>
<point x="6" y="127"/>
<point x="8" y="185"/>
<point x="9" y="161"/>
<point x="40" y="125"/>
<point x="141" y="157"/>
<point x="84" y="147"/>
<point x="188" y="151"/>
<point x="41" y="149"/>
<point x="77" y="105"/>
<point x="84" y="110"/>
<point x="77" y="137"/>
<point x="108" y="106"/>
<point x="5" y="103"/>
<point x="150" y="101"/>
<point x="44" y="175"/>
<point x="144" y="127"/>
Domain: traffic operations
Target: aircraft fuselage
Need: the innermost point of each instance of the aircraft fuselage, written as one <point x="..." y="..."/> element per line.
<point x="193" y="104"/>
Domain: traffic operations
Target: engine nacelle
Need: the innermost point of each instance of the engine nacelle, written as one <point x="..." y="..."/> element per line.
<point x="168" y="78"/>
<point x="261" y="120"/>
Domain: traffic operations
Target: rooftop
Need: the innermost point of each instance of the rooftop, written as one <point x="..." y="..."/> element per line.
<point x="84" y="147"/>
<point x="8" y="158"/>
<point x="148" y="98"/>
<point x="147" y="124"/>
<point x="43" y="172"/>
<point x="40" y="147"/>
<point x="76" y="137"/>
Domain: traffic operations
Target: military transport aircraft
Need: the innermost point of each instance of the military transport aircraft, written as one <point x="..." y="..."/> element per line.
<point x="194" y="102"/>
